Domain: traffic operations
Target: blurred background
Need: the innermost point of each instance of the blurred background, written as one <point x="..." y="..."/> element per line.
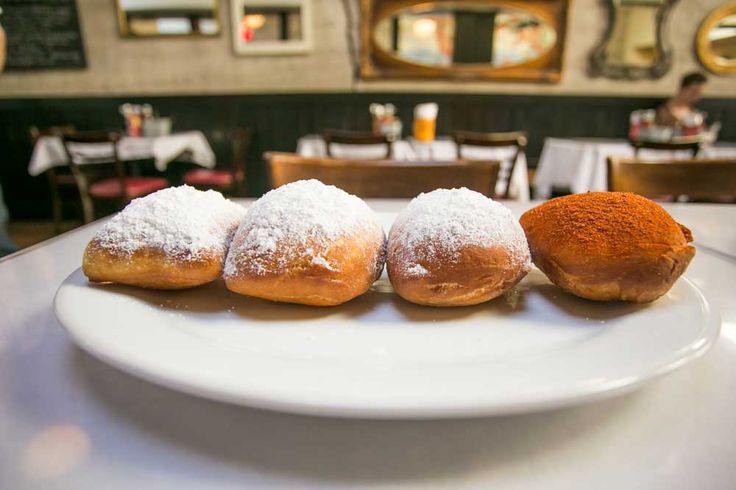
<point x="214" y="92"/>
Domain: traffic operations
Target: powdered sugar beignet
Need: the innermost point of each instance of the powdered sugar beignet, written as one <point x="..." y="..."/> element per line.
<point x="455" y="247"/>
<point x="306" y="242"/>
<point x="175" y="238"/>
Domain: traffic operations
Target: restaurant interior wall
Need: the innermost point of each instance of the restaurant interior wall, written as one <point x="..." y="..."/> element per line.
<point x="206" y="87"/>
<point x="195" y="65"/>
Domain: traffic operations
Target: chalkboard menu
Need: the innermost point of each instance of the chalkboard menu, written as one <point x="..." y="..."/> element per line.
<point x="42" y="34"/>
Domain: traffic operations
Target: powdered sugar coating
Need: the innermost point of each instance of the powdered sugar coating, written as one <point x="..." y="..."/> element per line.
<point x="299" y="220"/>
<point x="183" y="222"/>
<point x="444" y="221"/>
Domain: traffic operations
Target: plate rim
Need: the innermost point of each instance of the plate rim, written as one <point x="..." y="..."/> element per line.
<point x="603" y="390"/>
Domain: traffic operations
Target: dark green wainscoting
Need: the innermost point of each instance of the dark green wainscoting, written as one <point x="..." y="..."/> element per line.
<point x="279" y="120"/>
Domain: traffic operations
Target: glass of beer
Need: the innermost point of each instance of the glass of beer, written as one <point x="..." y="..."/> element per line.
<point x="425" y="122"/>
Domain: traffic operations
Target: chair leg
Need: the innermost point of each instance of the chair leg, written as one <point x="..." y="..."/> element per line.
<point x="88" y="208"/>
<point x="57" y="213"/>
<point x="56" y="205"/>
<point x="235" y="190"/>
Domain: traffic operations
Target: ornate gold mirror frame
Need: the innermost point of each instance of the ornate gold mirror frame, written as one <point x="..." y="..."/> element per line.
<point x="600" y="58"/>
<point x="377" y="63"/>
<point x="707" y="57"/>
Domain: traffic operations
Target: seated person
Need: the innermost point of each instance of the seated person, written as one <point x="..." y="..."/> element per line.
<point x="675" y="109"/>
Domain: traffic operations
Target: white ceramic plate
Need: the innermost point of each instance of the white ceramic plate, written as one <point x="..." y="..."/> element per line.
<point x="379" y="356"/>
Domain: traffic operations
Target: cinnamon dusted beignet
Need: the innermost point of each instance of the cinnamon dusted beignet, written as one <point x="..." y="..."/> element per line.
<point x="608" y="245"/>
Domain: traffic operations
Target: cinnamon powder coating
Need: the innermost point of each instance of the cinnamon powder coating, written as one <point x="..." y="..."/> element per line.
<point x="608" y="223"/>
<point x="608" y="245"/>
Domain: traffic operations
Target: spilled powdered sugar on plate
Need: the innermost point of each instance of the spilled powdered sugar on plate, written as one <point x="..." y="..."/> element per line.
<point x="298" y="220"/>
<point x="446" y="220"/>
<point x="183" y="222"/>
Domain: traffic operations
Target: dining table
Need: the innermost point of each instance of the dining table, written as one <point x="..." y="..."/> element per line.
<point x="189" y="146"/>
<point x="579" y="164"/>
<point x="71" y="421"/>
<point x="442" y="148"/>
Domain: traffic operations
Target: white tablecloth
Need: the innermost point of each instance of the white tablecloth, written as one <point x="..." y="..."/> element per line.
<point x="580" y="164"/>
<point x="441" y="149"/>
<point x="191" y="146"/>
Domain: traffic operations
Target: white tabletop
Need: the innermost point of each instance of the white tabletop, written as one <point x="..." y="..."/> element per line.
<point x="579" y="164"/>
<point x="69" y="421"/>
<point x="191" y="146"/>
<point x="713" y="227"/>
<point x="440" y="149"/>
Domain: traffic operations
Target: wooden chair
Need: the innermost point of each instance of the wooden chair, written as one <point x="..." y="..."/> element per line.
<point x="705" y="179"/>
<point x="60" y="178"/>
<point x="357" y="139"/>
<point x="118" y="187"/>
<point x="693" y="146"/>
<point x="228" y="180"/>
<point x="384" y="178"/>
<point x="516" y="139"/>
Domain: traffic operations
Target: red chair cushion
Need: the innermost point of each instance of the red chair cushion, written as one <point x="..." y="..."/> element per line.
<point x="213" y="178"/>
<point x="135" y="187"/>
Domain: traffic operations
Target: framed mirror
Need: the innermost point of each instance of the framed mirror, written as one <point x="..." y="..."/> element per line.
<point x="268" y="27"/>
<point x="634" y="44"/>
<point x="166" y="18"/>
<point x="715" y="42"/>
<point x="463" y="39"/>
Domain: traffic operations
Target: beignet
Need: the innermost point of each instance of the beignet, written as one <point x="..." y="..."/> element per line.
<point x="308" y="243"/>
<point x="175" y="238"/>
<point x="455" y="247"/>
<point x="608" y="245"/>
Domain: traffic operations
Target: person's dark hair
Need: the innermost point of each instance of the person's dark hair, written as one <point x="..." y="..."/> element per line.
<point x="693" y="78"/>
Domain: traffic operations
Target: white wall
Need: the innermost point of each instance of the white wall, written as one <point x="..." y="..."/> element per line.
<point x="208" y="65"/>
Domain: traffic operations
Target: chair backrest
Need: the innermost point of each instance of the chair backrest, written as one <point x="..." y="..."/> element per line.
<point x="35" y="132"/>
<point x="79" y="171"/>
<point x="384" y="178"/>
<point x="693" y="146"/>
<point x="111" y="137"/>
<point x="517" y="139"/>
<point x="472" y="138"/>
<point x="701" y="178"/>
<point x="91" y="137"/>
<point x="355" y="138"/>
